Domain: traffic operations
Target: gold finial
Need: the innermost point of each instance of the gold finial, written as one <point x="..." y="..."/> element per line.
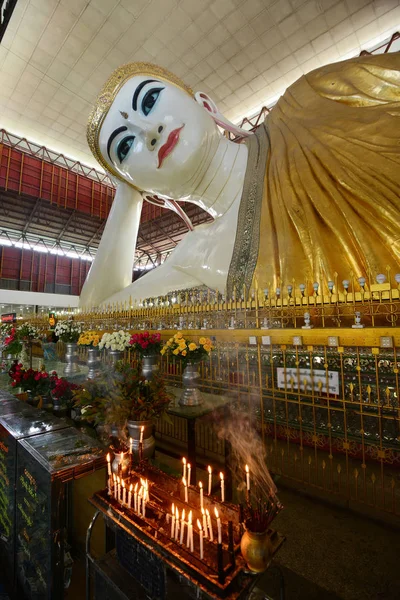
<point x="124" y="114"/>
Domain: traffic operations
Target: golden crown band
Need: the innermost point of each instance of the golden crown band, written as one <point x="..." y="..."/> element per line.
<point x="107" y="96"/>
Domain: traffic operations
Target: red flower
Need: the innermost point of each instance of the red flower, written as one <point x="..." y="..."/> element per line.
<point x="145" y="335"/>
<point x="144" y="345"/>
<point x="37" y="377"/>
<point x="13" y="383"/>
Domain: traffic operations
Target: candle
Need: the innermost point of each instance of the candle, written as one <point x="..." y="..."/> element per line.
<point x="209" y="479"/>
<point x="121" y="463"/>
<point x="222" y="487"/>
<point x="135" y="498"/>
<point x="247" y="477"/>
<point x="201" y="538"/>
<point x="177" y="524"/>
<point x="141" y="434"/>
<point x="203" y="512"/>
<point x="184" y="467"/>
<point x="209" y="523"/>
<point x="182" y="526"/>
<point x="189" y="471"/>
<point x="130" y="496"/>
<point x="109" y="465"/>
<point x="189" y="539"/>
<point x="130" y="445"/>
<point x="218" y="526"/>
<point x="115" y="488"/>
<point x="119" y="489"/>
<point x="173" y="522"/>
<point x="123" y="492"/>
<point x="201" y="494"/>
<point x="144" y="507"/>
<point x="186" y="490"/>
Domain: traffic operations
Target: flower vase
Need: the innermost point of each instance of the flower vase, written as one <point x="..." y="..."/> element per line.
<point x="191" y="381"/>
<point x="47" y="403"/>
<point x="115" y="356"/>
<point x="149" y="443"/>
<point x="93" y="362"/>
<point x="33" y="400"/>
<point x="71" y="357"/>
<point x="256" y="549"/>
<point x="120" y="463"/>
<point x="60" y="408"/>
<point x="150" y="366"/>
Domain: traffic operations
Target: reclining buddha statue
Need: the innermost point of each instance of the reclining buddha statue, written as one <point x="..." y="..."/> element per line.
<point x="311" y="195"/>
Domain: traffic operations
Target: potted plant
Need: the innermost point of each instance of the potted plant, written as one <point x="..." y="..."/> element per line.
<point x="91" y="340"/>
<point x="69" y="332"/>
<point x="191" y="354"/>
<point x="148" y="346"/>
<point x="12" y="345"/>
<point x="116" y="343"/>
<point x="26" y="333"/>
<point x="62" y="394"/>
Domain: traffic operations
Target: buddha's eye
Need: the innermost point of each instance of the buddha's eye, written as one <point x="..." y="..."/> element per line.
<point x="150" y="99"/>
<point x="124" y="146"/>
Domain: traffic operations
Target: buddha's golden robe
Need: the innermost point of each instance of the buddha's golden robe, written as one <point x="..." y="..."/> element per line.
<point x="329" y="202"/>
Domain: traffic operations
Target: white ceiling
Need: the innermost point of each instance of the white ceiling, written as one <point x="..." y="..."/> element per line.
<point x="56" y="54"/>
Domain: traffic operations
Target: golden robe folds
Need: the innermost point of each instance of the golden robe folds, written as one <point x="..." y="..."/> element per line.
<point x="329" y="202"/>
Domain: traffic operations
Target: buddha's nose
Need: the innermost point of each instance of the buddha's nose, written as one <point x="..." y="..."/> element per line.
<point x="153" y="136"/>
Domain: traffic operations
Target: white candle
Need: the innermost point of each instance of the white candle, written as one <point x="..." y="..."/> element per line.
<point x="203" y="512"/>
<point x="189" y="528"/>
<point x="123" y="492"/>
<point x="139" y="501"/>
<point x="135" y="498"/>
<point x="177" y="523"/>
<point x="184" y="467"/>
<point x="218" y="526"/>
<point x="209" y="523"/>
<point x="130" y="496"/>
<point x="173" y="522"/>
<point x="186" y="490"/>
<point x="119" y="489"/>
<point x="209" y="480"/>
<point x="222" y="487"/>
<point x="189" y="470"/>
<point x="108" y="465"/>
<point x="115" y="488"/>
<point x="130" y="445"/>
<point x="144" y="508"/>
<point x="247" y="477"/>
<point x="201" y="538"/>
<point x="141" y="434"/>
<point x="201" y="494"/>
<point x="182" y="526"/>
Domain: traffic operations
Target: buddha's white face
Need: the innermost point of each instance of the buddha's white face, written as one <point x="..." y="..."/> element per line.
<point x="158" y="138"/>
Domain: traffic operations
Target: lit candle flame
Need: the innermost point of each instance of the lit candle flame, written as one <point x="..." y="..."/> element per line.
<point x="199" y="525"/>
<point x="142" y="428"/>
<point x="184" y="460"/>
<point x="108" y="458"/>
<point x="216" y="512"/>
<point x="200" y="484"/>
<point x="136" y="486"/>
<point x="130" y="487"/>
<point x="123" y="483"/>
<point x="207" y="512"/>
<point x="173" y="509"/>
<point x="177" y="513"/>
<point x="202" y="511"/>
<point x="190" y="517"/>
<point x="209" y="469"/>
<point x="183" y="515"/>
<point x="222" y="476"/>
<point x="247" y="468"/>
<point x="118" y="479"/>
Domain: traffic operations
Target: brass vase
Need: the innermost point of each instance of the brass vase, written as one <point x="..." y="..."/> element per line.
<point x="256" y="550"/>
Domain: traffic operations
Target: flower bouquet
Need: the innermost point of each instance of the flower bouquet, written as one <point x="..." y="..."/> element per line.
<point x="89" y="338"/>
<point x="119" y="340"/>
<point x="31" y="380"/>
<point x="146" y="344"/>
<point x="27" y="333"/>
<point x="68" y="331"/>
<point x="186" y="350"/>
<point x="11" y="343"/>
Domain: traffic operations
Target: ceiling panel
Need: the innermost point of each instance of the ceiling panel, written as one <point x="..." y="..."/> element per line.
<point x="56" y="54"/>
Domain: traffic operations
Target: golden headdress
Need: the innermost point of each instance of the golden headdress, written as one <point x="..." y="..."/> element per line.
<point x="107" y="97"/>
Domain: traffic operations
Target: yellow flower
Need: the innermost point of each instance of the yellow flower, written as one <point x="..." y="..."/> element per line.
<point x="192" y="346"/>
<point x="95" y="342"/>
<point x="178" y="335"/>
<point x="207" y="347"/>
<point x="202" y="341"/>
<point x="176" y="351"/>
<point x="184" y="352"/>
<point x="162" y="351"/>
<point x="182" y="344"/>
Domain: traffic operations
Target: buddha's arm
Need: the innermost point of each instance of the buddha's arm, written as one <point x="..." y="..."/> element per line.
<point x="111" y="270"/>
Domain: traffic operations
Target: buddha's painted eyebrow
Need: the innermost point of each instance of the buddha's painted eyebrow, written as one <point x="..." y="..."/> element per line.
<point x="138" y="90"/>
<point x="114" y="135"/>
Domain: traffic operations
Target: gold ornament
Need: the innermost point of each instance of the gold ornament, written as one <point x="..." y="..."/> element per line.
<point x="107" y="96"/>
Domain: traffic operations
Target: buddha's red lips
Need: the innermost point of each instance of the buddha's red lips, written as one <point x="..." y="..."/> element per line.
<point x="169" y="145"/>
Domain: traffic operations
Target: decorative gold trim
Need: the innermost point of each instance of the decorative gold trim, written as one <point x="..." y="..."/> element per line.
<point x="107" y="96"/>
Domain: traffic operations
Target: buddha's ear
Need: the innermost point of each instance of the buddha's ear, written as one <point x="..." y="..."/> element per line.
<point x="209" y="105"/>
